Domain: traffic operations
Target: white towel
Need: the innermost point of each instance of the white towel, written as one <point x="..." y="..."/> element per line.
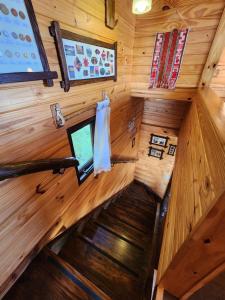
<point x="102" y="145"/>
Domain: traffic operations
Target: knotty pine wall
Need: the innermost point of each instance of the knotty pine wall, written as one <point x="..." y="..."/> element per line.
<point x="218" y="80"/>
<point x="201" y="17"/>
<point x="164" y="118"/>
<point x="28" y="219"/>
<point x="193" y="243"/>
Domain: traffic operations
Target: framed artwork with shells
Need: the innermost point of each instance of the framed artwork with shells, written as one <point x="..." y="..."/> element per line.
<point x="22" y="55"/>
<point x="83" y="59"/>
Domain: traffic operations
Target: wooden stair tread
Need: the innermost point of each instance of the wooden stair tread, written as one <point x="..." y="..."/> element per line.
<point x="132" y="203"/>
<point x="147" y="217"/>
<point x="47" y="279"/>
<point x="136" y="237"/>
<point x="131" y="200"/>
<point x="133" y="220"/>
<point x="122" y="251"/>
<point x="110" y="277"/>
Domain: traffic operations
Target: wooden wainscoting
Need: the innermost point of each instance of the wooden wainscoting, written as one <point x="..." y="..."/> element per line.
<point x="193" y="244"/>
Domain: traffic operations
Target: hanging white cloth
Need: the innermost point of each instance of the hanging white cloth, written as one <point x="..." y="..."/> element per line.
<point x="102" y="145"/>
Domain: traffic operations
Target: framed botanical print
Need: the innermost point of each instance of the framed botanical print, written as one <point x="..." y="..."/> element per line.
<point x="159" y="140"/>
<point x="83" y="59"/>
<point x="155" y="152"/>
<point x="172" y="150"/>
<point x="22" y="55"/>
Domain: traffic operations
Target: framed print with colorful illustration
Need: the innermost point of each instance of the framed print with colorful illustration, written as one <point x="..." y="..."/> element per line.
<point x="159" y="140"/>
<point x="22" y="55"/>
<point x="172" y="149"/>
<point x="82" y="59"/>
<point x="158" y="153"/>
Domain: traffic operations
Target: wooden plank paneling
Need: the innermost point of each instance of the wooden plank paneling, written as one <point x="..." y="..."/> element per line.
<point x="218" y="80"/>
<point x="27" y="132"/>
<point x="195" y="219"/>
<point x="202" y="18"/>
<point x="214" y="54"/>
<point x="162" y="117"/>
<point x="153" y="172"/>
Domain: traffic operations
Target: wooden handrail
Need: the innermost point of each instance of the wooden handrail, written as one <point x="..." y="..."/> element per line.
<point x="58" y="165"/>
<point x="123" y="161"/>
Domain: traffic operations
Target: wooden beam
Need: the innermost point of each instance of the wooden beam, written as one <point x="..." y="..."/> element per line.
<point x="204" y="281"/>
<point x="179" y="94"/>
<point x="215" y="52"/>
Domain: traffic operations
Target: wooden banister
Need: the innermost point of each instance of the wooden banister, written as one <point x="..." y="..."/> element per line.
<point x="58" y="165"/>
<point x="28" y="167"/>
<point x="123" y="161"/>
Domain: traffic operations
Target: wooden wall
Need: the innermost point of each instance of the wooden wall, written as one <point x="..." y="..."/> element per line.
<point x="201" y="17"/>
<point x="218" y="80"/>
<point x="193" y="244"/>
<point x="150" y="170"/>
<point x="28" y="219"/>
<point x="162" y="117"/>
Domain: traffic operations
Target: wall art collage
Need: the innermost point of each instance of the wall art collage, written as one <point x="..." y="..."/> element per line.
<point x="18" y="48"/>
<point x="162" y="142"/>
<point x="87" y="61"/>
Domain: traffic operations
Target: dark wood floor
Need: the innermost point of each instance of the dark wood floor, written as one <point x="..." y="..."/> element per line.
<point x="108" y="259"/>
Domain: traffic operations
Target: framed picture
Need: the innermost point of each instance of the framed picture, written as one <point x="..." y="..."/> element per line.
<point x="159" y="140"/>
<point x="158" y="153"/>
<point x="110" y="20"/>
<point x="22" y="55"/>
<point x="82" y="59"/>
<point x="172" y="150"/>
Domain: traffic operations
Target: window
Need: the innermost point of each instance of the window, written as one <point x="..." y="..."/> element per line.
<point x="81" y="137"/>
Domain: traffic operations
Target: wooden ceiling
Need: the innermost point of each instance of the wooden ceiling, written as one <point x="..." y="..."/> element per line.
<point x="201" y="17"/>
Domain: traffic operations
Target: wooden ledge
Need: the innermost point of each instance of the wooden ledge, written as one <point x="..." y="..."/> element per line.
<point x="179" y="94"/>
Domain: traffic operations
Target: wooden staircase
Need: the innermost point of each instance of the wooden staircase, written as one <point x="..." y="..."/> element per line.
<point x="109" y="258"/>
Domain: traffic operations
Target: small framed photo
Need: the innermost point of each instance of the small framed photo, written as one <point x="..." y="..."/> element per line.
<point x="159" y="140"/>
<point x="172" y="150"/>
<point x="158" y="153"/>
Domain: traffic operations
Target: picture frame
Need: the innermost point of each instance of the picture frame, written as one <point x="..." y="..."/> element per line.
<point x="22" y="54"/>
<point x="82" y="59"/>
<point x="172" y="150"/>
<point x="158" y="140"/>
<point x="155" y="152"/>
<point x="110" y="20"/>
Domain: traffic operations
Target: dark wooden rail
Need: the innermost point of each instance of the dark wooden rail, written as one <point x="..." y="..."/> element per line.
<point x="58" y="165"/>
<point x="123" y="161"/>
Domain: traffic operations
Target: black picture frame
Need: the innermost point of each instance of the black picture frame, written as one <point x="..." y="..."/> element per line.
<point x="60" y="34"/>
<point x="155" y="151"/>
<point x="82" y="174"/>
<point x="172" y="149"/>
<point x="47" y="76"/>
<point x="154" y="137"/>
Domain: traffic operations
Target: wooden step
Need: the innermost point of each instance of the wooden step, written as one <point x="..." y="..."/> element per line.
<point x="146" y="216"/>
<point x="131" y="219"/>
<point x="48" y="277"/>
<point x="121" y="229"/>
<point x="129" y="200"/>
<point x="124" y="253"/>
<point x="115" y="280"/>
<point x="137" y="190"/>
